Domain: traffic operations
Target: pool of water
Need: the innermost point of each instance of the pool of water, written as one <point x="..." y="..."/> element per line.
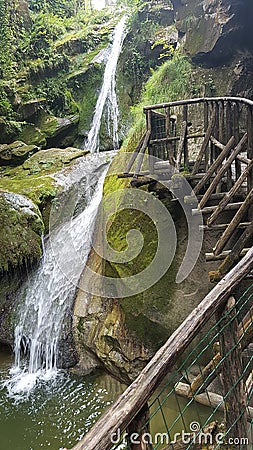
<point x="57" y="413"/>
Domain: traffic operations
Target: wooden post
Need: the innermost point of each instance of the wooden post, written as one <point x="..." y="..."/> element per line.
<point x="150" y="147"/>
<point x="138" y="431"/>
<point x="250" y="144"/>
<point x="185" y="120"/>
<point x="222" y="170"/>
<point x="236" y="133"/>
<point x="221" y="122"/>
<point x="207" y="156"/>
<point x="229" y="195"/>
<point x="204" y="147"/>
<point x="234" y="223"/>
<point x="229" y="131"/>
<point x="233" y="386"/>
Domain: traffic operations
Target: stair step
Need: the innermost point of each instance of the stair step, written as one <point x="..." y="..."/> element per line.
<point x="210" y="209"/>
<point x="222" y="226"/>
<point x="223" y="255"/>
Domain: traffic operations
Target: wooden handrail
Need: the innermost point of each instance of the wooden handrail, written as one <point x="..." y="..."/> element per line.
<point x="127" y="406"/>
<point x="192" y="101"/>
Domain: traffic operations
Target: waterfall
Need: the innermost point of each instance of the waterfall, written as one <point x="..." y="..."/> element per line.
<point x="107" y="94"/>
<point x="49" y="293"/>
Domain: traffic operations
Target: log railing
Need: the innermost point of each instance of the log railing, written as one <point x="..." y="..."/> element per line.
<point x="209" y="141"/>
<point x="209" y="123"/>
<point x="130" y="411"/>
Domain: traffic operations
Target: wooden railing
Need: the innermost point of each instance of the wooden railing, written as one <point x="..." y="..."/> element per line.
<point x="121" y="415"/>
<point x="170" y="127"/>
<point x="209" y="141"/>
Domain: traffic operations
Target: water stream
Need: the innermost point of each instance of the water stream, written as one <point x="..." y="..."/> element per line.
<point x="48" y="295"/>
<point x="107" y="96"/>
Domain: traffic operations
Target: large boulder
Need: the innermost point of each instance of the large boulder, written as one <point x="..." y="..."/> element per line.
<point x="21" y="231"/>
<point x="122" y="333"/>
<point x="16" y="153"/>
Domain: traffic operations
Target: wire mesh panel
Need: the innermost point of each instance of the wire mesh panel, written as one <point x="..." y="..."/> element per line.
<point x="194" y="406"/>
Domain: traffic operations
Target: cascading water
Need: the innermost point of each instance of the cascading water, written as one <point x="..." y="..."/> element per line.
<point x="50" y="292"/>
<point x="108" y="95"/>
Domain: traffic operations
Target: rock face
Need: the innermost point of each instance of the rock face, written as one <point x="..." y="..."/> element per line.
<point x="21" y="231"/>
<point x="214" y="29"/>
<point x="122" y="334"/>
<point x="20" y="236"/>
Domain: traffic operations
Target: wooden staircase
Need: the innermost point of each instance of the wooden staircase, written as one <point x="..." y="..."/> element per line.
<point x="213" y="150"/>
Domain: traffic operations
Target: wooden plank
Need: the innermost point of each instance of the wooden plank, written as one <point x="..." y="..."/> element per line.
<point x="222" y="170"/>
<point x="219" y="145"/>
<point x="231" y="370"/>
<point x="223" y="255"/>
<point x="234" y="222"/>
<point x="193" y="101"/>
<point x="210" y="209"/>
<point x="222" y="226"/>
<point x="205" y="143"/>
<point x="176" y="138"/>
<point x="127" y="406"/>
<point x="235" y="253"/>
<point x="229" y="196"/>
<point x="212" y="169"/>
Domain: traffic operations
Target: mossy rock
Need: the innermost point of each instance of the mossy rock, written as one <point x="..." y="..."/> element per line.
<point x="31" y="134"/>
<point x="36" y="177"/>
<point x="53" y="159"/>
<point x="56" y="128"/>
<point x="16" y="153"/>
<point x="21" y="231"/>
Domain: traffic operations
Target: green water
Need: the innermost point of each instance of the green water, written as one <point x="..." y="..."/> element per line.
<point x="57" y="413"/>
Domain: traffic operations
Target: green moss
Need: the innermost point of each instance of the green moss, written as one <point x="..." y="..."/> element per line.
<point x="35" y="178"/>
<point x="20" y="235"/>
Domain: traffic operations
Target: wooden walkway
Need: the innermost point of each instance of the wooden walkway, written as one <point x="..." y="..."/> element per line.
<point x="210" y="142"/>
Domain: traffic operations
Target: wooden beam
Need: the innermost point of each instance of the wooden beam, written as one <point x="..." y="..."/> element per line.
<point x="141" y="153"/>
<point x="223" y="255"/>
<point x="181" y="145"/>
<point x="222" y="226"/>
<point x="127" y="406"/>
<point x="221" y="146"/>
<point x="134" y="154"/>
<point x="240" y="214"/>
<point x="210" y="209"/>
<point x="176" y="138"/>
<point x="222" y="170"/>
<point x="236" y="251"/>
<point x="218" y="161"/>
<point x="230" y="194"/>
